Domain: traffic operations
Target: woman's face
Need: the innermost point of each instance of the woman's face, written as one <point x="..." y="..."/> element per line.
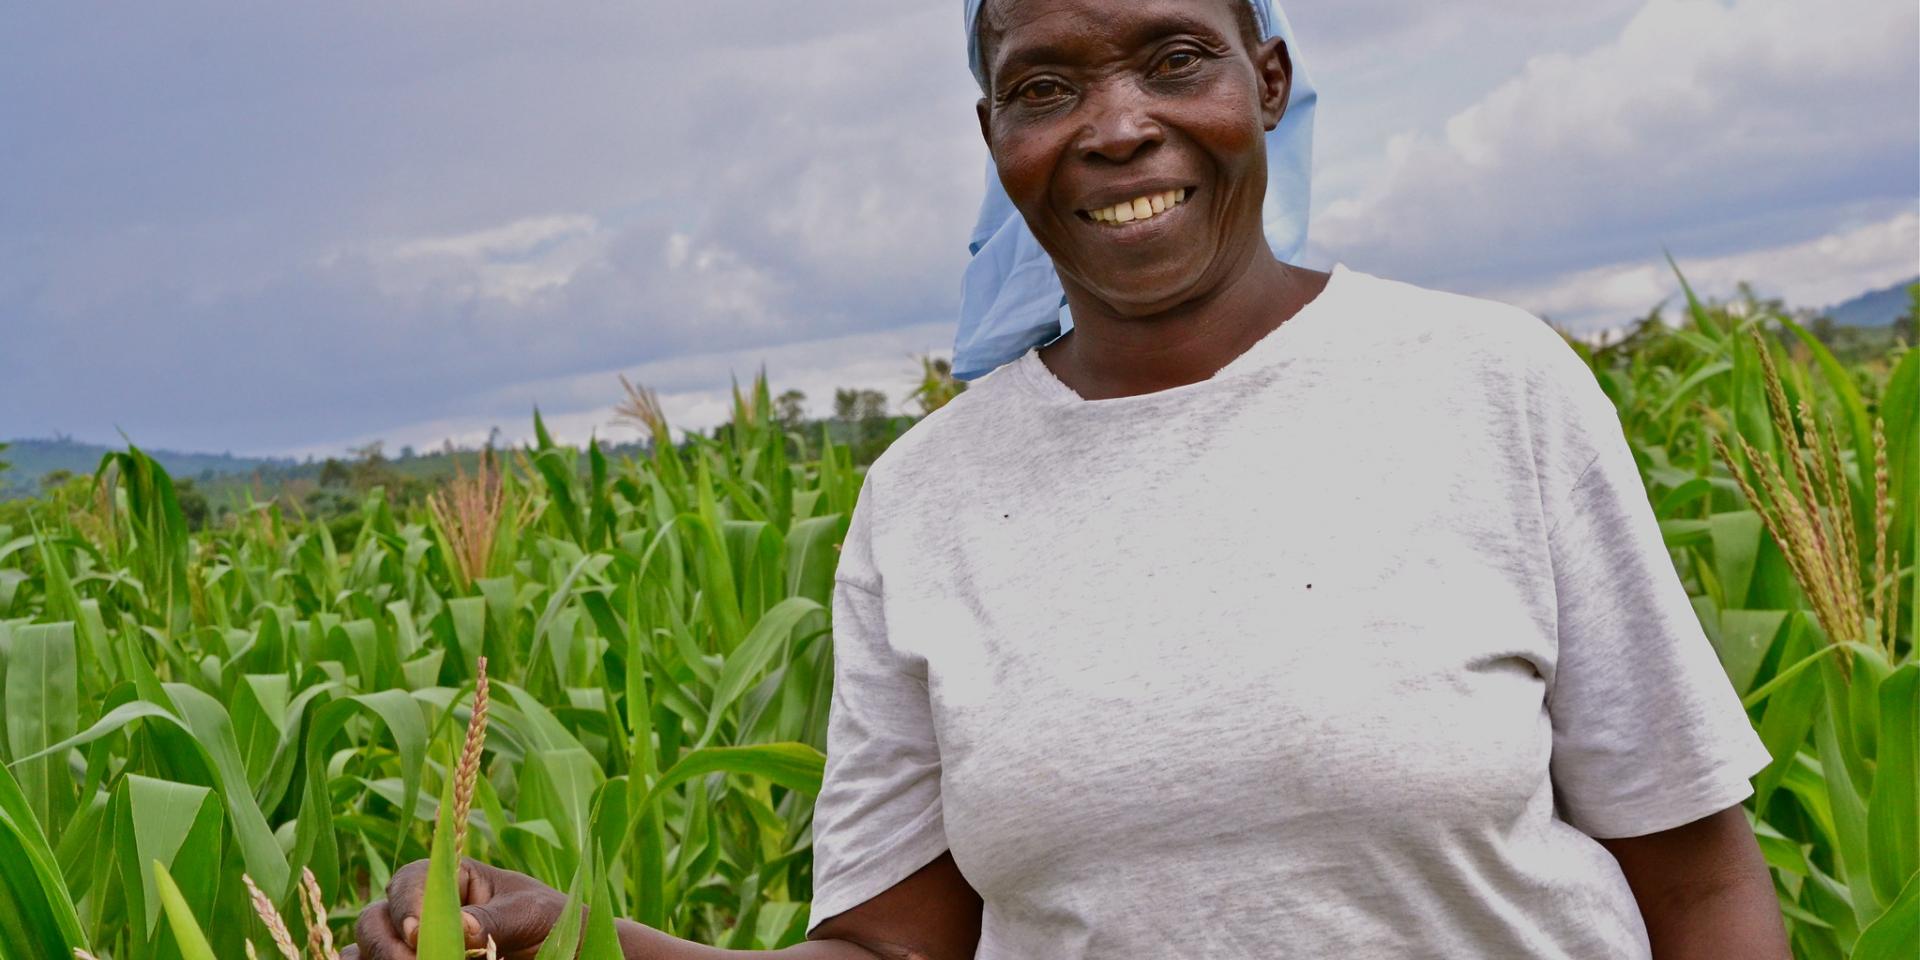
<point x="1131" y="136"/>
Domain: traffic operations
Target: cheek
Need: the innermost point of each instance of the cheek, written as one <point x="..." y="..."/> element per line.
<point x="1024" y="157"/>
<point x="1237" y="146"/>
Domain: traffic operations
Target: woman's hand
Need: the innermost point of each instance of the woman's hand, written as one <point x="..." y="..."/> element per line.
<point x="514" y="909"/>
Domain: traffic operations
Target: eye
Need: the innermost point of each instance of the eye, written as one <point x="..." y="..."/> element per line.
<point x="1041" y="90"/>
<point x="1178" y="61"/>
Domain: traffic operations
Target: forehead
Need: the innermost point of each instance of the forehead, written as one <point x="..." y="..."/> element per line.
<point x="1012" y="30"/>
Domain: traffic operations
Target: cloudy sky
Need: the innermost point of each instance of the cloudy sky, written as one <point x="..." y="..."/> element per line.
<point x="295" y="228"/>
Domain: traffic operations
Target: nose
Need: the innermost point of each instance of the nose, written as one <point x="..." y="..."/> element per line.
<point x="1118" y="125"/>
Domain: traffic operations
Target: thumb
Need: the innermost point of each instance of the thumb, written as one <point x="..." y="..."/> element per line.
<point x="514" y="920"/>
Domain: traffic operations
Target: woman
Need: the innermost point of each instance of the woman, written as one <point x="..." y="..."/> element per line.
<point x="1266" y="611"/>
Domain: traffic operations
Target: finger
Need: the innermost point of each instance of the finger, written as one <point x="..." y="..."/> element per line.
<point x="476" y="881"/>
<point x="408" y="890"/>
<point x="513" y="920"/>
<point x="376" y="938"/>
<point x="404" y="891"/>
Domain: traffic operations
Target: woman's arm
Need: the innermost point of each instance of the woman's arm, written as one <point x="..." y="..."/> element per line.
<point x="1704" y="890"/>
<point x="934" y="914"/>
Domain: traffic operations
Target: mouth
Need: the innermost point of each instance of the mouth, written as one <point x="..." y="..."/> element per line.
<point x="1144" y="207"/>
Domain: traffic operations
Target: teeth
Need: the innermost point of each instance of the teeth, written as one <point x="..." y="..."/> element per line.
<point x="1140" y="208"/>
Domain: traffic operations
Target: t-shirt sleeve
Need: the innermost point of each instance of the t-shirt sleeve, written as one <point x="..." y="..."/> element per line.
<point x="878" y="816"/>
<point x="1648" y="732"/>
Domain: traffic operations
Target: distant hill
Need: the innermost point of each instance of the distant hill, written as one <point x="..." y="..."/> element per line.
<point x="1877" y="309"/>
<point x="33" y="459"/>
<point x="224" y="479"/>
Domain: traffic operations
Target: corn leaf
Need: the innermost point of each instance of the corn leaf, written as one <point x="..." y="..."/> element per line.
<point x="36" y="915"/>
<point x="1895" y="934"/>
<point x="187" y="932"/>
<point x="442" y="936"/>
<point x="1893" y="807"/>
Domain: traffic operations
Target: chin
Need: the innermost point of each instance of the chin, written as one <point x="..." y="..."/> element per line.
<point x="1136" y="295"/>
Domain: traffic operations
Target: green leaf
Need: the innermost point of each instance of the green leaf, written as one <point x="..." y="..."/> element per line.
<point x="1849" y="810"/>
<point x="1736" y="550"/>
<point x="186" y="929"/>
<point x="36" y="914"/>
<point x="210" y="726"/>
<point x="1793" y="698"/>
<point x="1893" y="806"/>
<point x="469" y="615"/>
<point x="42" y="705"/>
<point x="1844" y="389"/>
<point x="158" y="818"/>
<point x="602" y="940"/>
<point x="1745" y="637"/>
<point x="563" y="942"/>
<point x="768" y="638"/>
<point x="1895" y="934"/>
<point x="401" y="715"/>
<point x="442" y="936"/>
<point x="558" y="787"/>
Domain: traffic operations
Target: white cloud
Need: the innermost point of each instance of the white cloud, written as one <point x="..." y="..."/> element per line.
<point x="1817" y="273"/>
<point x="1699" y="112"/>
<point x="434" y="199"/>
<point x="514" y="239"/>
<point x="510" y="262"/>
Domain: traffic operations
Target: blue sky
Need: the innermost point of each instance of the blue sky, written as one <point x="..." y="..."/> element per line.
<point x="295" y="228"/>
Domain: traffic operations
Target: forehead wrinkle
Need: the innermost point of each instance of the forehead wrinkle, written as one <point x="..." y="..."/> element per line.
<point x="1154" y="26"/>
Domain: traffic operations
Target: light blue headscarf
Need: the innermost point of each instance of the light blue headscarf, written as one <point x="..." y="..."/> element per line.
<point x="1010" y="299"/>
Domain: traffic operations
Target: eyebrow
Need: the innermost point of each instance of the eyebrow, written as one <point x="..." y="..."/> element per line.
<point x="1155" y="28"/>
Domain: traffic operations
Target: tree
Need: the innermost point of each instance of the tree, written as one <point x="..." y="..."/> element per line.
<point x="790" y="410"/>
<point x="3" y="464"/>
<point x="193" y="503"/>
<point x="1823" y="329"/>
<point x="1907" y="328"/>
<point x="372" y="469"/>
<point x="333" y="473"/>
<point x="859" y="406"/>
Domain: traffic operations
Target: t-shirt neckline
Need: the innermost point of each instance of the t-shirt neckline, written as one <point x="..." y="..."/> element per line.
<point x="1033" y="374"/>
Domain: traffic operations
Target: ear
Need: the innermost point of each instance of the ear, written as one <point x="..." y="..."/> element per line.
<point x="1274" y="68"/>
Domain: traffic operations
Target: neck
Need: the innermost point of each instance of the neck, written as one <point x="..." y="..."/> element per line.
<point x="1109" y="355"/>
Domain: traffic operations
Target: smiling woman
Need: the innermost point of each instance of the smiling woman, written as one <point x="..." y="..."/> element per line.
<point x="1086" y="111"/>
<point x="1265" y="611"/>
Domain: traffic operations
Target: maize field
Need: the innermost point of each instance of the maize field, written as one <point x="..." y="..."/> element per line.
<point x="189" y="718"/>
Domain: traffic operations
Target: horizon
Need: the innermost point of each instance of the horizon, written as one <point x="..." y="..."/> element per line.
<point x="1591" y="337"/>
<point x="294" y="231"/>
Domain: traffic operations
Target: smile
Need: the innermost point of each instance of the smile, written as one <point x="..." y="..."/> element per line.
<point x="1140" y="208"/>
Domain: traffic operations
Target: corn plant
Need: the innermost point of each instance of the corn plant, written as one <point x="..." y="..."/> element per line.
<point x="1796" y="540"/>
<point x="223" y="744"/>
<point x="244" y="708"/>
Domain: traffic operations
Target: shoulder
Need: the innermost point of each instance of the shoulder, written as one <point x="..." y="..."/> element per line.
<point x="1461" y="324"/>
<point x="1520" y="370"/>
<point x="967" y="429"/>
<point x="1495" y="344"/>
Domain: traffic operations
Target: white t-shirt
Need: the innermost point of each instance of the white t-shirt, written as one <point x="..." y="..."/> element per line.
<point x="1349" y="650"/>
